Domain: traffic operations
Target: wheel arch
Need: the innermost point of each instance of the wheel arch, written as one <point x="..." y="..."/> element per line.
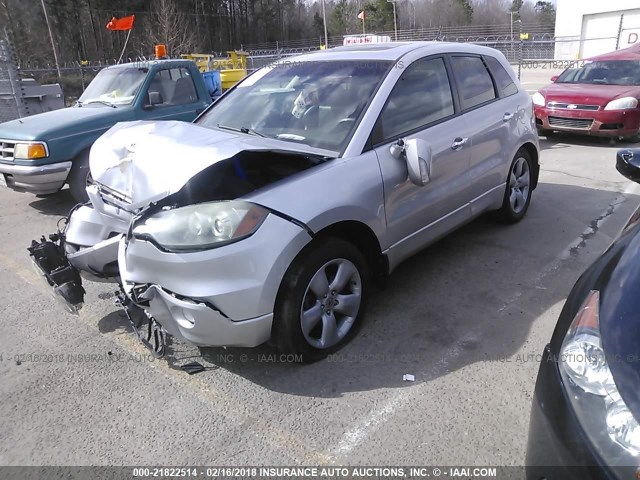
<point x="365" y="240"/>
<point x="532" y="150"/>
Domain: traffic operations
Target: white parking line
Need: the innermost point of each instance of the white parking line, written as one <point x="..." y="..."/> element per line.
<point x="357" y="435"/>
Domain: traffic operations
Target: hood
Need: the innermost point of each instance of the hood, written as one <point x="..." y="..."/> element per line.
<point x="586" y="94"/>
<point x="147" y="161"/>
<point x="63" y="122"/>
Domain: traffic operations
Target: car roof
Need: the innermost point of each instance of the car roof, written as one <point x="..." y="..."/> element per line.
<point x="391" y="51"/>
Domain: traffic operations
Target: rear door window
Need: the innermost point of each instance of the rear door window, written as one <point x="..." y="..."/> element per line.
<point x="474" y="82"/>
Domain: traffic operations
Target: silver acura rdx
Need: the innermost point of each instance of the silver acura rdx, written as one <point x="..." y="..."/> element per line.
<point x="271" y="215"/>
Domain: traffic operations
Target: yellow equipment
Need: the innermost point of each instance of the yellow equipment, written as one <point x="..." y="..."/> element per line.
<point x="232" y="68"/>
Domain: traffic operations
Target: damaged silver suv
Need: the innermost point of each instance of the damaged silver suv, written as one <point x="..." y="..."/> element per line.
<point x="269" y="217"/>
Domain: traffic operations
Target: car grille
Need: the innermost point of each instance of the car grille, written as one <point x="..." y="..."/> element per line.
<point x="561" y="122"/>
<point x="6" y="150"/>
<point x="574" y="106"/>
<point x="113" y="197"/>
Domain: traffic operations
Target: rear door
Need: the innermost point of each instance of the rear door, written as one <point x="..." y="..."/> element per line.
<point x="178" y="96"/>
<point x="421" y="105"/>
<point x="491" y="117"/>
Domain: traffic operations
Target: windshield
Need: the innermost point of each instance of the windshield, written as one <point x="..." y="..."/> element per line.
<point x="609" y="72"/>
<point x="315" y="103"/>
<point x="117" y="86"/>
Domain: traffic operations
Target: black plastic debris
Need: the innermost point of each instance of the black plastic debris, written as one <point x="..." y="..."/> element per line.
<point x="193" y="367"/>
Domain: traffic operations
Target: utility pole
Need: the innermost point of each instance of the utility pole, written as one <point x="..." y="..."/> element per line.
<point x="53" y="45"/>
<point x="511" y="37"/>
<point x="395" y="19"/>
<point x="324" y="23"/>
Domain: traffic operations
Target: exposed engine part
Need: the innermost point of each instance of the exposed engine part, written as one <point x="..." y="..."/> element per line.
<point x="155" y="338"/>
<point x="50" y="262"/>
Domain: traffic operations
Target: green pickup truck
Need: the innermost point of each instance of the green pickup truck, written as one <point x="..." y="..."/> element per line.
<point x="39" y="154"/>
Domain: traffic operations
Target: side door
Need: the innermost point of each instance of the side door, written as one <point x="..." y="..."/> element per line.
<point x="171" y="94"/>
<point x="422" y="106"/>
<point x="491" y="116"/>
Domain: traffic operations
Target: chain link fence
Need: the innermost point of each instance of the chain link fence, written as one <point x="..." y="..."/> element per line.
<point x="521" y="44"/>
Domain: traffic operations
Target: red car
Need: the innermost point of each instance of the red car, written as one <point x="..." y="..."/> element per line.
<point x="602" y="98"/>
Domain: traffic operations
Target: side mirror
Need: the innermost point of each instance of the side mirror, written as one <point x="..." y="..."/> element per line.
<point x="155" y="98"/>
<point x="628" y="163"/>
<point x="417" y="154"/>
<point x="554" y="78"/>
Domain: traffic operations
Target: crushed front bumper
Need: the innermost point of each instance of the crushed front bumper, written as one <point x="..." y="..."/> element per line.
<point x="218" y="297"/>
<point x="201" y="324"/>
<point x="38" y="179"/>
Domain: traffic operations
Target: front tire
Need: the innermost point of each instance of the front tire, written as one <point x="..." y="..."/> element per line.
<point x="321" y="301"/>
<point x="79" y="177"/>
<point x="517" y="195"/>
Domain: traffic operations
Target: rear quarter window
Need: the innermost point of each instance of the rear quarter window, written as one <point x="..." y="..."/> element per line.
<point x="505" y="83"/>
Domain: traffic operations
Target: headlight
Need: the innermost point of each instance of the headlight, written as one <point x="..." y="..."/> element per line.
<point x="31" y="150"/>
<point x="622" y="426"/>
<point x="583" y="364"/>
<point x="202" y="226"/>
<point x="623" y="103"/>
<point x="538" y="99"/>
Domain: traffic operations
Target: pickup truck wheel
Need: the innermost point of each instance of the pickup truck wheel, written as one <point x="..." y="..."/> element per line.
<point x="517" y="195"/>
<point x="78" y="178"/>
<point x="321" y="300"/>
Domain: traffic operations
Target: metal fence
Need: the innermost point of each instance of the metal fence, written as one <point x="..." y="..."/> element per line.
<point x="521" y="44"/>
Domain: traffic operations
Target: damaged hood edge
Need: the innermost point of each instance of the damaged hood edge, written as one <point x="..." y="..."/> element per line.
<point x="146" y="161"/>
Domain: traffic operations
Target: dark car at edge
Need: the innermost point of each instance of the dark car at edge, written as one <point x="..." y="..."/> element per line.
<point x="586" y="406"/>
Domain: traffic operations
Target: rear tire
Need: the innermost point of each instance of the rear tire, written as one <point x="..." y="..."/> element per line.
<point x="321" y="300"/>
<point x="78" y="178"/>
<point x="518" y="190"/>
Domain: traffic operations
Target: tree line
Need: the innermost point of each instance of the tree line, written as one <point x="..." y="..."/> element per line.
<point x="209" y="26"/>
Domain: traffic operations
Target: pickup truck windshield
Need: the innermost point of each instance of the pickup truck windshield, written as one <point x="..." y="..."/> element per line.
<point x="604" y="72"/>
<point x="117" y="86"/>
<point x="314" y="103"/>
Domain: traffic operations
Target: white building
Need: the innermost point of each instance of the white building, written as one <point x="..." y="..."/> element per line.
<point x="585" y="28"/>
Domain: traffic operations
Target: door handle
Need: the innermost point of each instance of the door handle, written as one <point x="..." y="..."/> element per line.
<point x="459" y="143"/>
<point x="508" y="116"/>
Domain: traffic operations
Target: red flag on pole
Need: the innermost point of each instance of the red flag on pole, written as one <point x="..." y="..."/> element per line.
<point x="124" y="23"/>
<point x="361" y="15"/>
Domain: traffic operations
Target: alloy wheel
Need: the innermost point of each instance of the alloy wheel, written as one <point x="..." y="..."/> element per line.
<point x="519" y="181"/>
<point x="331" y="303"/>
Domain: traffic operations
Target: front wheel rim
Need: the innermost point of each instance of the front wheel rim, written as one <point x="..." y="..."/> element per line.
<point x="519" y="182"/>
<point x="331" y="303"/>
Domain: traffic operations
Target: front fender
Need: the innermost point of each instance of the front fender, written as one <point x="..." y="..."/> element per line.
<point x="341" y="190"/>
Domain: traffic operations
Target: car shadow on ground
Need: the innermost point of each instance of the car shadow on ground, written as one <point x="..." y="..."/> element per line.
<point x="471" y="297"/>
<point x="58" y="204"/>
<point x="565" y="140"/>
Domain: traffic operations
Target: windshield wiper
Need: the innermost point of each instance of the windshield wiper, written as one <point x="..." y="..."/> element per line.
<point x="246" y="130"/>
<point x="102" y="102"/>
